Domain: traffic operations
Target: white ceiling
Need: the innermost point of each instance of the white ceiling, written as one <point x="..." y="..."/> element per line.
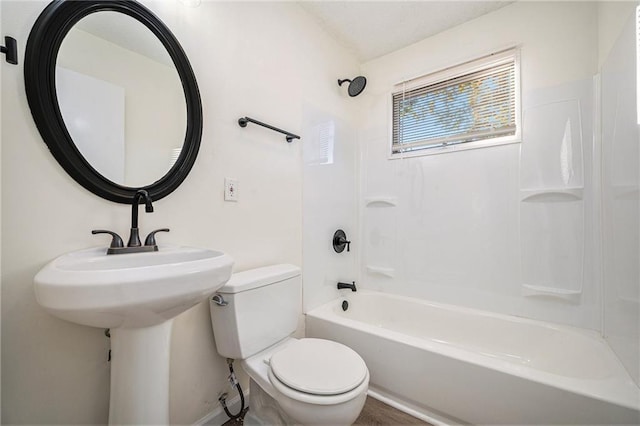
<point x="368" y="28"/>
<point x="374" y="28"/>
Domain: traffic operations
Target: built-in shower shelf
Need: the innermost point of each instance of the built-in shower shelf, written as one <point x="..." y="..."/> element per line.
<point x="551" y="195"/>
<point x="379" y="270"/>
<point x="380" y="201"/>
<point x="558" y="293"/>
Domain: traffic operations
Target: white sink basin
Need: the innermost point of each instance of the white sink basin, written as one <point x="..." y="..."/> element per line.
<point x="136" y="295"/>
<point x="130" y="290"/>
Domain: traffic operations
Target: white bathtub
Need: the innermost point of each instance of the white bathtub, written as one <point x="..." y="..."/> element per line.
<point x="455" y="365"/>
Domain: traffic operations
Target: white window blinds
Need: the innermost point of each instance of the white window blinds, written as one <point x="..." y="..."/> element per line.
<point x="473" y="106"/>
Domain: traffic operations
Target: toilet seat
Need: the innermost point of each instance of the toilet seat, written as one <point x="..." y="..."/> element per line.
<point x="318" y="371"/>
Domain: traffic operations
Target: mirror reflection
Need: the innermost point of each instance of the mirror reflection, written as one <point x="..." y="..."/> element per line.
<point x="121" y="98"/>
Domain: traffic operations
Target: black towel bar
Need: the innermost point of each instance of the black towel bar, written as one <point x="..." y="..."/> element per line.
<point x="242" y="121"/>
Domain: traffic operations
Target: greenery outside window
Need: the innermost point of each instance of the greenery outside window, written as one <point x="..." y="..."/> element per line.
<point x="472" y="105"/>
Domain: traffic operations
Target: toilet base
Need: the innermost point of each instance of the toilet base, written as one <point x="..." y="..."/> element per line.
<point x="263" y="409"/>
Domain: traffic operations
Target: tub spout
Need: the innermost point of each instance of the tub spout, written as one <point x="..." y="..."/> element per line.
<point x="345" y="285"/>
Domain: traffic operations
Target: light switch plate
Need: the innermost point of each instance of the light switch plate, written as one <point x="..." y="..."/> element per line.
<point x="230" y="189"/>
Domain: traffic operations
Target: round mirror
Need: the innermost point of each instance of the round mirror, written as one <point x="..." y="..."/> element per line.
<point x="120" y="98"/>
<point x="114" y="97"/>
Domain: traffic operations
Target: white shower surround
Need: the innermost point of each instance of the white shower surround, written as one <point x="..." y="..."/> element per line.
<point x="450" y="364"/>
<point x="465" y="229"/>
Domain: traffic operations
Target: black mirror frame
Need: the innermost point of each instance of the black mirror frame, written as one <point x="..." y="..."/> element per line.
<point x="45" y="38"/>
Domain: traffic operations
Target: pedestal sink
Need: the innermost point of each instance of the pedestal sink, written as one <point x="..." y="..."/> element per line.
<point x="136" y="295"/>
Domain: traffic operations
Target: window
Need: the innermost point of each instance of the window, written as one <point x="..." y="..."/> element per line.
<point x="468" y="106"/>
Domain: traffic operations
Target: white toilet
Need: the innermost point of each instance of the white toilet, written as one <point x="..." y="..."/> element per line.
<point x="293" y="381"/>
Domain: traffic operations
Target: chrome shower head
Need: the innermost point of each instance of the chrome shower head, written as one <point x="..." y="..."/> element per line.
<point x="356" y="86"/>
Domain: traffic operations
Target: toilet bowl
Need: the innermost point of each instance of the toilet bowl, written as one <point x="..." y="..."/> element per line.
<point x="293" y="381"/>
<point x="314" y="381"/>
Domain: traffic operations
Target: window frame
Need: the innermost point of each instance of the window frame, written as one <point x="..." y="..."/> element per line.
<point x="455" y="71"/>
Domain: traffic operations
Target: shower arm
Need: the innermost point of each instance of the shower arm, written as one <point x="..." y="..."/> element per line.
<point x="242" y="121"/>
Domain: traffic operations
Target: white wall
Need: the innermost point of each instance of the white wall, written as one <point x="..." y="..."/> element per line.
<point x="0" y="226"/>
<point x="329" y="203"/>
<point x="620" y="202"/>
<point x="266" y="60"/>
<point x="460" y="233"/>
<point x="612" y="17"/>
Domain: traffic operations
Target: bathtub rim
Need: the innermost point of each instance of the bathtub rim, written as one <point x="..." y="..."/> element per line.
<point x="608" y="391"/>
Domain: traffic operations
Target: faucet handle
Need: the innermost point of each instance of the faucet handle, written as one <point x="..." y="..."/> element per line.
<point x="340" y="241"/>
<point x="116" y="241"/>
<point x="151" y="238"/>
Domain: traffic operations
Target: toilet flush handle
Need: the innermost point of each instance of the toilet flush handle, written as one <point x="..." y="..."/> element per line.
<point x="219" y="300"/>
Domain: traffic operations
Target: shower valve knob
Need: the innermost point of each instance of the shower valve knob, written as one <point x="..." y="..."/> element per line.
<point x="340" y="241"/>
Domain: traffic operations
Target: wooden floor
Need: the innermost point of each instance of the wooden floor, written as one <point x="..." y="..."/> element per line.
<point x="374" y="413"/>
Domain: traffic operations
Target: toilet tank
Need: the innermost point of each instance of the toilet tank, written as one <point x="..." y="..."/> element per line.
<point x="263" y="307"/>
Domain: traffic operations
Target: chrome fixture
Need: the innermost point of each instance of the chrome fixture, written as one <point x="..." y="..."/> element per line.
<point x="219" y="300"/>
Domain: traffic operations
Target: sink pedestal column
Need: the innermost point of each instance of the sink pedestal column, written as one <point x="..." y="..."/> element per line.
<point x="140" y="375"/>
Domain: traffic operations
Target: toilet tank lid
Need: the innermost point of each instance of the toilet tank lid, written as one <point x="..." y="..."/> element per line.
<point x="259" y="277"/>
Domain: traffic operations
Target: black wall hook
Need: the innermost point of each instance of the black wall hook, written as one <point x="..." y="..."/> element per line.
<point x="10" y="49"/>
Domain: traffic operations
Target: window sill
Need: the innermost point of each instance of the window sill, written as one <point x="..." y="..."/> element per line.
<point x="454" y="148"/>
